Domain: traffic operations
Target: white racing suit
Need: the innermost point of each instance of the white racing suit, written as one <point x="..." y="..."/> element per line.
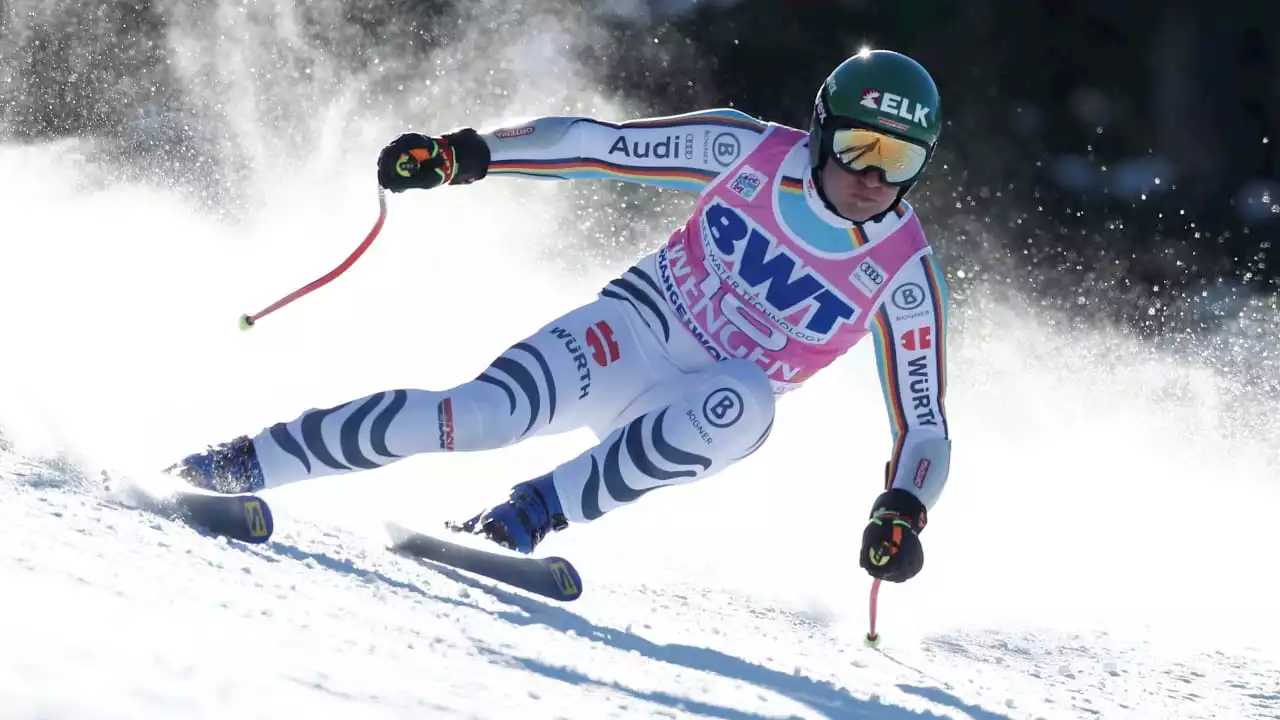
<point x="677" y="363"/>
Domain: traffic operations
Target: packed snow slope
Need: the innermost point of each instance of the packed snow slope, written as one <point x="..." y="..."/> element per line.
<point x="113" y="613"/>
<point x="1102" y="549"/>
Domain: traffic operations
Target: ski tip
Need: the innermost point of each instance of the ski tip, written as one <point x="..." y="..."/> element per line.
<point x="257" y="515"/>
<point x="244" y="517"/>
<point x="397" y="533"/>
<point x="567" y="580"/>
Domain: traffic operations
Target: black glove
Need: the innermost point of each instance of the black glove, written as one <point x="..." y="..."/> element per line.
<point x="418" y="161"/>
<point x="891" y="547"/>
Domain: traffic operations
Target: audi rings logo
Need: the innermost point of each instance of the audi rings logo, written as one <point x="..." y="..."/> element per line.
<point x="723" y="407"/>
<point x="872" y="273"/>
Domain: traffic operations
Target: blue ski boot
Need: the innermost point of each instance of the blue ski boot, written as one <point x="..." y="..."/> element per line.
<point x="230" y="467"/>
<point x="523" y="520"/>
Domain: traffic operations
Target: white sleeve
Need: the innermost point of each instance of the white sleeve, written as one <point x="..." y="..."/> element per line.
<point x="911" y="335"/>
<point x="682" y="152"/>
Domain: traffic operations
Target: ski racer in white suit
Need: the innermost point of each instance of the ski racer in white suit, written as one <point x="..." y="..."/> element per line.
<point x="800" y="245"/>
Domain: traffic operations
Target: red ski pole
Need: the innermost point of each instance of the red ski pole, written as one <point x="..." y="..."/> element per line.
<point x="873" y="639"/>
<point x="248" y="321"/>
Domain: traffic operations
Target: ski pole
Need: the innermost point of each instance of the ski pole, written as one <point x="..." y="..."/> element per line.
<point x="873" y="639"/>
<point x="248" y="321"/>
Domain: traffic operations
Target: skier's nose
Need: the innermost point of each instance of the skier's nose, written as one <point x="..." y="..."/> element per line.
<point x="871" y="177"/>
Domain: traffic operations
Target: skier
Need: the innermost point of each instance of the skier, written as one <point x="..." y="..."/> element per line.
<point x="798" y="246"/>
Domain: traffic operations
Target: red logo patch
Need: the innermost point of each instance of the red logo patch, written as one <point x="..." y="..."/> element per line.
<point x="604" y="349"/>
<point x="922" y="470"/>
<point x="919" y="339"/>
<point x="513" y="132"/>
<point x="444" y="414"/>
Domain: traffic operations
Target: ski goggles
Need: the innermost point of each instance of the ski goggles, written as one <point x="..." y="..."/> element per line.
<point x="858" y="149"/>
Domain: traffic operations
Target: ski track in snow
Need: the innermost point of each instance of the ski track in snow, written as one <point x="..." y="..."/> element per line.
<point x="150" y="618"/>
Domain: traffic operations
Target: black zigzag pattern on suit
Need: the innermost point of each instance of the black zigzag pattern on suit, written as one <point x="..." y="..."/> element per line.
<point x="514" y="364"/>
<point x="311" y="429"/>
<point x="631" y="441"/>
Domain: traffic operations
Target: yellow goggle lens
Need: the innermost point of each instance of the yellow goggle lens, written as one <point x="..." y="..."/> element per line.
<point x="858" y="149"/>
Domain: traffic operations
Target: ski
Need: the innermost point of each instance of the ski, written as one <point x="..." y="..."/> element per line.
<point x="550" y="577"/>
<point x="245" y="517"/>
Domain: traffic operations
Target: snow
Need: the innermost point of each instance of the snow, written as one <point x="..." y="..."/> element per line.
<point x="1102" y="549"/>
<point x="115" y="613"/>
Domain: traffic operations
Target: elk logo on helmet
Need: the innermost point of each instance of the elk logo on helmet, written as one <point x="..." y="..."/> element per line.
<point x="903" y="107"/>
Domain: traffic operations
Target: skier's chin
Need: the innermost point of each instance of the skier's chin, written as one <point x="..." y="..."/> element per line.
<point x="855" y="198"/>
<point x="860" y="210"/>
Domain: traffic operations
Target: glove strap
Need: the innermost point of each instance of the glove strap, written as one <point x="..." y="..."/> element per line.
<point x="470" y="154"/>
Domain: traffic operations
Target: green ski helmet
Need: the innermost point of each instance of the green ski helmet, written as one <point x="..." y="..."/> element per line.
<point x="885" y="92"/>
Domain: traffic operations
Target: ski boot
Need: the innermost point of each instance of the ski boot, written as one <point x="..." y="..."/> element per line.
<point x="230" y="467"/>
<point x="523" y="520"/>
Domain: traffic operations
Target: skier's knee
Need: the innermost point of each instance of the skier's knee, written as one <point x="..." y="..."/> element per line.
<point x="731" y="411"/>
<point x="475" y="415"/>
<point x="721" y="415"/>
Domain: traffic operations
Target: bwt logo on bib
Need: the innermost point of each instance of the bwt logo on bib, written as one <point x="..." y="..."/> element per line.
<point x="794" y="297"/>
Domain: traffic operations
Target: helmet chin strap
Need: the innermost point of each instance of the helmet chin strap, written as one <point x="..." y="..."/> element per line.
<point x="816" y="172"/>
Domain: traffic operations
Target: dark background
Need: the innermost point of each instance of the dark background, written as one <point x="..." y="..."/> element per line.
<point x="1119" y="157"/>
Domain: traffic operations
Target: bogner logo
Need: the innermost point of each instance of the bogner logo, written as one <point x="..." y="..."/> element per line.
<point x="905" y="108"/>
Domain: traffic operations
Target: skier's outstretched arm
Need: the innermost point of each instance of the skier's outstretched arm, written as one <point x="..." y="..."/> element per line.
<point x="910" y="342"/>
<point x="682" y="152"/>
